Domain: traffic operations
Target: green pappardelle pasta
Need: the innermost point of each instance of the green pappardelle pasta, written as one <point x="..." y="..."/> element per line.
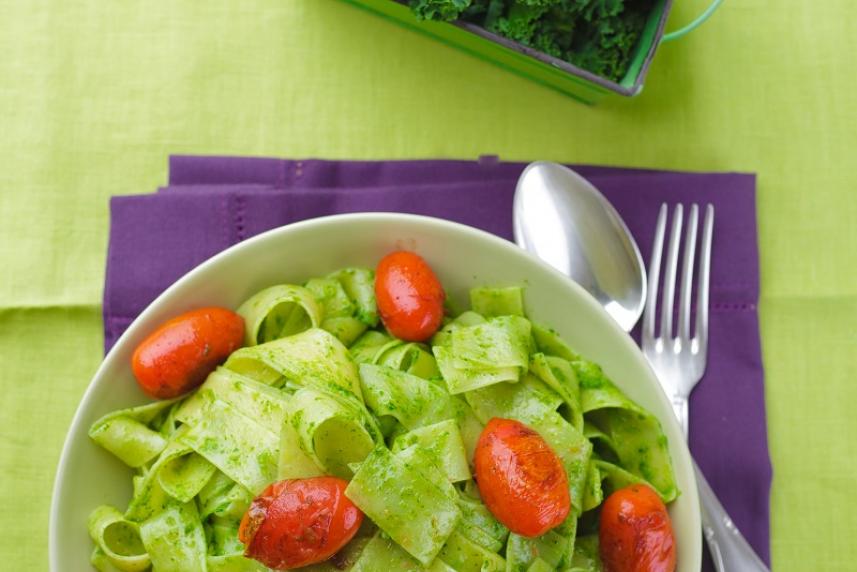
<point x="321" y="388"/>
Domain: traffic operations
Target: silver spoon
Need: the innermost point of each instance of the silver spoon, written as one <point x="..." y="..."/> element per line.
<point x="564" y="220"/>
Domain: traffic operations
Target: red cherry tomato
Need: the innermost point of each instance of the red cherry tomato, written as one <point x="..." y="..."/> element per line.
<point x="180" y="354"/>
<point x="635" y="532"/>
<point x="520" y="478"/>
<point x="409" y="295"/>
<point x="299" y="522"/>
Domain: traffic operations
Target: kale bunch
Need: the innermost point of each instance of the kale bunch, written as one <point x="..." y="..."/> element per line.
<point x="596" y="35"/>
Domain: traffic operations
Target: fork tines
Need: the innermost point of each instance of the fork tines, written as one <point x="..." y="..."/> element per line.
<point x="697" y="341"/>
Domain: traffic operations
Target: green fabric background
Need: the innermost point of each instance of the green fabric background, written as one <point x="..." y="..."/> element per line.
<point x="94" y="95"/>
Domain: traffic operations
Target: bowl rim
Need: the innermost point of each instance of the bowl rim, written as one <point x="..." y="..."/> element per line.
<point x="629" y="346"/>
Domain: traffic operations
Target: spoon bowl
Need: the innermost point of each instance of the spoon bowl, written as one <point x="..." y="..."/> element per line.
<point x="563" y="219"/>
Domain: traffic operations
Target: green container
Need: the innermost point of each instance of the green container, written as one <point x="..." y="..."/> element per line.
<point x="532" y="64"/>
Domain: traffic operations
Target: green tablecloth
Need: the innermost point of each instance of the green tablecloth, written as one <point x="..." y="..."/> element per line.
<point x="94" y="96"/>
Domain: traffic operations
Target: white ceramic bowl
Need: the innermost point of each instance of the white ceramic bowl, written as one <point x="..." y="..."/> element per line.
<point x="463" y="257"/>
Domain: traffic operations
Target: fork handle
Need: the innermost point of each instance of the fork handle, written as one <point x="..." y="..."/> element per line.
<point x="729" y="550"/>
<point x="679" y="404"/>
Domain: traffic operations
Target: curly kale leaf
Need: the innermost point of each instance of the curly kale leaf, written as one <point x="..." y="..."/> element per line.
<point x="493" y="12"/>
<point x="439" y="9"/>
<point x="591" y="10"/>
<point x="520" y="22"/>
<point x="554" y="36"/>
<point x="607" y="46"/>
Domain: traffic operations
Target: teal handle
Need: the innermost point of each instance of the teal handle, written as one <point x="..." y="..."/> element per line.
<point x="675" y="35"/>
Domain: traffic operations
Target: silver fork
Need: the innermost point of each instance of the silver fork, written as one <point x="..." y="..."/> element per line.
<point x="679" y="361"/>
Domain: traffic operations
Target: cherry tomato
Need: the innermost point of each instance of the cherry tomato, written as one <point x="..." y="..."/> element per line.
<point x="409" y="295"/>
<point x="635" y="532"/>
<point x="180" y="354"/>
<point x="520" y="478"/>
<point x="299" y="522"/>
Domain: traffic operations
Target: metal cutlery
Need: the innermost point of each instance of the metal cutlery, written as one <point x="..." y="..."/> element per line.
<point x="678" y="357"/>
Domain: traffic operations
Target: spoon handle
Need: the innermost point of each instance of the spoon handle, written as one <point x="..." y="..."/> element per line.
<point x="729" y="550"/>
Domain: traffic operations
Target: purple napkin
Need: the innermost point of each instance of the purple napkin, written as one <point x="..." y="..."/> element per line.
<point x="212" y="203"/>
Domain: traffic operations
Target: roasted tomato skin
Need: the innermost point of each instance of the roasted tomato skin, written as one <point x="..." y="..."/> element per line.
<point x="635" y="532"/>
<point x="179" y="355"/>
<point x="299" y="522"/>
<point x="521" y="479"/>
<point x="409" y="296"/>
